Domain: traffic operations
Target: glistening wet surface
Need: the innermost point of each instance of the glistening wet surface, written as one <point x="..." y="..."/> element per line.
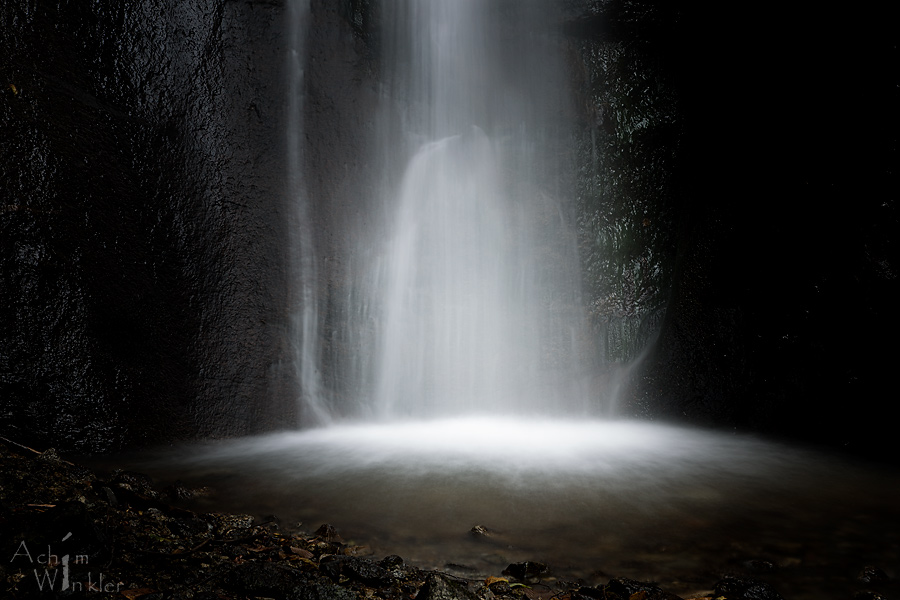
<point x="591" y="499"/>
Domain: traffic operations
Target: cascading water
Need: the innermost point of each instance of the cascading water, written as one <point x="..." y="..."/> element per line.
<point x="462" y="327"/>
<point x="304" y="328"/>
<point x="476" y="315"/>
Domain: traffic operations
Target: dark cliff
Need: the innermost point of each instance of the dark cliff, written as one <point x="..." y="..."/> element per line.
<point x="786" y="278"/>
<point x="143" y="284"/>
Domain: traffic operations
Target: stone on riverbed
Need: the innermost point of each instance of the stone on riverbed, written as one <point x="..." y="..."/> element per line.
<point x="525" y="571"/>
<point x="441" y="587"/>
<point x="736" y="588"/>
<point x="354" y="569"/>
<point x="281" y="581"/>
<point x="872" y="574"/>
<point x="266" y="579"/>
<point x="628" y="588"/>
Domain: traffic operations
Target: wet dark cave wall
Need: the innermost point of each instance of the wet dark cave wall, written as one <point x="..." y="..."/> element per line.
<point x="345" y="165"/>
<point x="740" y="167"/>
<point x="143" y="282"/>
<point x="737" y="196"/>
<point x="781" y="316"/>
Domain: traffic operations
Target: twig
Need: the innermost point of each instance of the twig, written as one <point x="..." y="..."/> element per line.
<point x="9" y="441"/>
<point x="24" y="447"/>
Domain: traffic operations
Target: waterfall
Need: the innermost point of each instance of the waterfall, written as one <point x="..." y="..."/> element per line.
<point x="477" y="283"/>
<point x="454" y="324"/>
<point x="305" y="329"/>
<point x="458" y="289"/>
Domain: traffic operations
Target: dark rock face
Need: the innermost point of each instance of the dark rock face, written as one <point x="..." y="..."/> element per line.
<point x="343" y="166"/>
<point x="146" y="220"/>
<point x="785" y="269"/>
<point x="142" y="209"/>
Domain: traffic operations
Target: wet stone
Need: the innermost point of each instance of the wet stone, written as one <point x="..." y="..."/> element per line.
<point x="154" y="596"/>
<point x="328" y="533"/>
<point x="135" y="482"/>
<point x="322" y="591"/>
<point x="108" y="495"/>
<point x="232" y="524"/>
<point x="190" y="527"/>
<point x="638" y="590"/>
<point x="500" y="587"/>
<point x="49" y="455"/>
<point x="589" y="592"/>
<point x="323" y="548"/>
<point x="872" y="574"/>
<point x="525" y="570"/>
<point x="391" y="561"/>
<point x="356" y="569"/>
<point x="760" y="566"/>
<point x="735" y="588"/>
<point x="266" y="579"/>
<point x="178" y="491"/>
<point x="442" y="587"/>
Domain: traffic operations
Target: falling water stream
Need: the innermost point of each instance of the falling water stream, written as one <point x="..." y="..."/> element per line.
<point x="474" y="281"/>
<point x="472" y="408"/>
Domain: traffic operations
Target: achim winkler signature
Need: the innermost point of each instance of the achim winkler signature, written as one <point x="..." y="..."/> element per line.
<point x="52" y="572"/>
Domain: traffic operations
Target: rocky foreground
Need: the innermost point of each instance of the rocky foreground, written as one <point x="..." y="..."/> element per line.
<point x="67" y="533"/>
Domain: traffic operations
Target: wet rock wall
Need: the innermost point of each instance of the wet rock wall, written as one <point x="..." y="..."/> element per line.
<point x="737" y="189"/>
<point x="143" y="284"/>
<point x="786" y="265"/>
<point x="348" y="157"/>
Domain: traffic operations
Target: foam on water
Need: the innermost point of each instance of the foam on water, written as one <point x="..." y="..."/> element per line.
<point x="524" y="446"/>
